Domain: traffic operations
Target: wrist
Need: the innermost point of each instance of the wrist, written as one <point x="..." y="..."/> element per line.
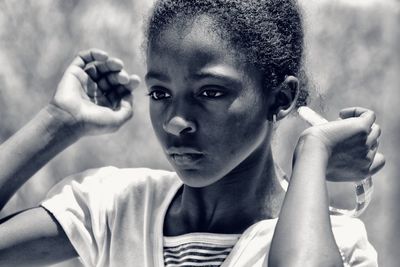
<point x="312" y="145"/>
<point x="61" y="123"/>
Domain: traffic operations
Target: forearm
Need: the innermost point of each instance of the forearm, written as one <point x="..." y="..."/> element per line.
<point x="21" y="156"/>
<point x="303" y="235"/>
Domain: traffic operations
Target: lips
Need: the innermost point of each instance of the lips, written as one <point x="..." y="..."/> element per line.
<point x="184" y="156"/>
<point x="183" y="150"/>
<point x="186" y="159"/>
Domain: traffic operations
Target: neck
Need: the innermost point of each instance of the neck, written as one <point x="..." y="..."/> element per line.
<point x="248" y="194"/>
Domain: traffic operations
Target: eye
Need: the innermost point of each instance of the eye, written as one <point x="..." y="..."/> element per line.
<point x="212" y="93"/>
<point x="158" y="93"/>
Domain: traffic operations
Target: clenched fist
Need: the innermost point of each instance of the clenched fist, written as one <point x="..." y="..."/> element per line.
<point x="96" y="92"/>
<point x="352" y="144"/>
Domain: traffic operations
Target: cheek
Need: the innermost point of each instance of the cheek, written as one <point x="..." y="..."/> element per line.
<point x="248" y="117"/>
<point x="156" y="121"/>
<point x="243" y="129"/>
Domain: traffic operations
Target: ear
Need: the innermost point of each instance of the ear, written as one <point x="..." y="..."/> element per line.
<point x="285" y="97"/>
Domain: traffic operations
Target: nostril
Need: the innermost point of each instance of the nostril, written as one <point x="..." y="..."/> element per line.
<point x="189" y="129"/>
<point x="178" y="125"/>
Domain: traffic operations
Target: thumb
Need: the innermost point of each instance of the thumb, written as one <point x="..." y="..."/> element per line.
<point x="105" y="116"/>
<point x="124" y="112"/>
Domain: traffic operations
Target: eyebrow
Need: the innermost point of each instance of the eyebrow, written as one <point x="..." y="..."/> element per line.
<point x="197" y="76"/>
<point x="215" y="75"/>
<point x="157" y="76"/>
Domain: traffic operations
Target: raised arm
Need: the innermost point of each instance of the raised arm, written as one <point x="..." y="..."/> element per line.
<point x="93" y="97"/>
<point x="345" y="148"/>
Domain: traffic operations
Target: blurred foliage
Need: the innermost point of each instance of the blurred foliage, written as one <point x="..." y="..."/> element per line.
<point x="353" y="58"/>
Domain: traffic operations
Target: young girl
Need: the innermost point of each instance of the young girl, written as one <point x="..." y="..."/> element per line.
<point x="220" y="74"/>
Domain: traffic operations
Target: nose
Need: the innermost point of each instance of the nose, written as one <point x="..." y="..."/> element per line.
<point x="178" y="125"/>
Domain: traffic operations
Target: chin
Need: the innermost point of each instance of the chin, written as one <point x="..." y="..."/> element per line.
<point x="194" y="178"/>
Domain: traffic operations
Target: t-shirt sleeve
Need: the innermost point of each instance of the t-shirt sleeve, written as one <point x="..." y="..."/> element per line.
<point x="352" y="240"/>
<point x="80" y="204"/>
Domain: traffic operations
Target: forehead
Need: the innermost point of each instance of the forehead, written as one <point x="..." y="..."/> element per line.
<point x="195" y="40"/>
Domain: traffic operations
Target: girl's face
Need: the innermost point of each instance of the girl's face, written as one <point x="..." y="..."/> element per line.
<point x="206" y="108"/>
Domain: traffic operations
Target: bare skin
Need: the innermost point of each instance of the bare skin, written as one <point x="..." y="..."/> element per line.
<point x="214" y="107"/>
<point x="74" y="109"/>
<point x="73" y="113"/>
<point x="210" y="114"/>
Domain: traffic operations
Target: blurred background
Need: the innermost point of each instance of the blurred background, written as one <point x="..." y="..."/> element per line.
<point x="353" y="58"/>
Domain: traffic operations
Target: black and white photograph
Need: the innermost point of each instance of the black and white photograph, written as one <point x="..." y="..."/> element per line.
<point x="200" y="133"/>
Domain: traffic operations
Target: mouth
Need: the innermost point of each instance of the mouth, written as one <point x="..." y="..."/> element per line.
<point x="187" y="159"/>
<point x="184" y="156"/>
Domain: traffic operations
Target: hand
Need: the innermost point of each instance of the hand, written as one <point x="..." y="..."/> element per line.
<point x="96" y="92"/>
<point x="352" y="143"/>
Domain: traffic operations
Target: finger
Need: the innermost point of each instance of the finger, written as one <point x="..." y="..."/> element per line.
<point x="115" y="96"/>
<point x="375" y="145"/>
<point x="93" y="54"/>
<point x="371" y="154"/>
<point x="104" y="85"/>
<point x="366" y="114"/>
<point x="354" y="130"/>
<point x="114" y="79"/>
<point x="117" y="78"/>
<point x="110" y="65"/>
<point x="121" y="92"/>
<point x="134" y="82"/>
<point x="373" y="136"/>
<point x="84" y="57"/>
<point x="78" y="73"/>
<point x="115" y="118"/>
<point x="100" y="100"/>
<point x="114" y="99"/>
<point x="91" y="89"/>
<point x="377" y="164"/>
<point x="87" y="84"/>
<point x="125" y="110"/>
<point x="78" y="62"/>
<point x="352" y="112"/>
<point x="92" y="71"/>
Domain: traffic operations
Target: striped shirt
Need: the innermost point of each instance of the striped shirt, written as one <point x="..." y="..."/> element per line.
<point x="198" y="249"/>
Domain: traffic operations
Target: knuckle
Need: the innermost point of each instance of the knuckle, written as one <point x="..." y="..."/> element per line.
<point x="378" y="129"/>
<point x="376" y="145"/>
<point x="364" y="127"/>
<point x="383" y="160"/>
<point x="372" y="114"/>
<point x="128" y="116"/>
<point x="312" y="131"/>
<point x="130" y="113"/>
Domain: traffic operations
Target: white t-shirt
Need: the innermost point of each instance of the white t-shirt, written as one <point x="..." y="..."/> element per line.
<point x="114" y="217"/>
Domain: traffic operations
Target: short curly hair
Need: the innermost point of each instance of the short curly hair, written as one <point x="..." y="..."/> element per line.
<point x="269" y="33"/>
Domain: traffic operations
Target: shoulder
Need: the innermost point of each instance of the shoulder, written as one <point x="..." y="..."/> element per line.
<point x="107" y="183"/>
<point x="114" y="178"/>
<point x="352" y="240"/>
<point x="95" y="207"/>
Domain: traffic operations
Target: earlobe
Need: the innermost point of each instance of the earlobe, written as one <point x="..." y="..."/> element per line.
<point x="286" y="97"/>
